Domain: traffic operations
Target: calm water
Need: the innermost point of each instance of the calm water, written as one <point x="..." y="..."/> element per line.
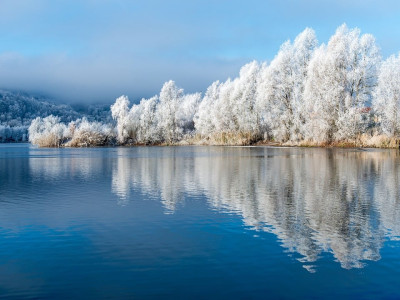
<point x="199" y="222"/>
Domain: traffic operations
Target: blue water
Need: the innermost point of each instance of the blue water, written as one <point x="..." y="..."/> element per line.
<point x="199" y="222"/>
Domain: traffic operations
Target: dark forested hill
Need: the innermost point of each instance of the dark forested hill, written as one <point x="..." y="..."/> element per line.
<point x="18" y="109"/>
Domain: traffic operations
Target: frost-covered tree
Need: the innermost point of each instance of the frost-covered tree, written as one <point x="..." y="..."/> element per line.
<point x="83" y="133"/>
<point x="280" y="93"/>
<point x="275" y="94"/>
<point x="204" y="118"/>
<point x="245" y="114"/>
<point x="187" y="110"/>
<point x="138" y="124"/>
<point x="50" y="132"/>
<point x="164" y="118"/>
<point x="222" y="110"/>
<point x="230" y="107"/>
<point x="47" y="132"/>
<point x="170" y="99"/>
<point x="386" y="101"/>
<point x="341" y="77"/>
<point x="13" y="133"/>
<point x="119" y="112"/>
<point x="303" y="49"/>
<point x="148" y="133"/>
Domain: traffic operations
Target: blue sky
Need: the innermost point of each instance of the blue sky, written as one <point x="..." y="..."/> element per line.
<point x="94" y="51"/>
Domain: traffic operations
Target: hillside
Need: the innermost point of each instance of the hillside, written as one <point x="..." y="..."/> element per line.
<point x="17" y="110"/>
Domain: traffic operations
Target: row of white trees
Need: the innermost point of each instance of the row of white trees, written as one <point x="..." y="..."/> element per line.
<point x="51" y="132"/>
<point x="307" y="93"/>
<point x="321" y="94"/>
<point x="164" y="118"/>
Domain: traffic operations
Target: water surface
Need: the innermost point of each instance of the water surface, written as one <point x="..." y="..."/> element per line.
<point x="199" y="222"/>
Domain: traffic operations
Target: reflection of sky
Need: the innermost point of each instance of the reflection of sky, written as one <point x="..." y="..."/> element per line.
<point x="97" y="50"/>
<point x="177" y="216"/>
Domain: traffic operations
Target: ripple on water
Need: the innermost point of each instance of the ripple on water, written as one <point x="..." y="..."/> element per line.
<point x="162" y="221"/>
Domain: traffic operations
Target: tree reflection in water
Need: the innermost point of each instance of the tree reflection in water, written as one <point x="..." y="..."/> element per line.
<point x="314" y="200"/>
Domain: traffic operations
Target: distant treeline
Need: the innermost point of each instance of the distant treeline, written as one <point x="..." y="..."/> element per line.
<point x="17" y="110"/>
<point x="339" y="93"/>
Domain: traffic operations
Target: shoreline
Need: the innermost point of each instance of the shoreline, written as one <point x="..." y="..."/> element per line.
<point x="186" y="143"/>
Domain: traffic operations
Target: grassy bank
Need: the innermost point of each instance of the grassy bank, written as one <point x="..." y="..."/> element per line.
<point x="94" y="139"/>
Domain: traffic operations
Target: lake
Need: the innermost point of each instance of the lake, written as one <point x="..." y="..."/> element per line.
<point x="199" y="222"/>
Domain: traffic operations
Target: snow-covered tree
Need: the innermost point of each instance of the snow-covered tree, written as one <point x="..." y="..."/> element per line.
<point x="47" y="132"/>
<point x="204" y="118"/>
<point x="164" y="118"/>
<point x="222" y="111"/>
<point x="386" y="101"/>
<point x="187" y="110"/>
<point x="280" y="93"/>
<point x="245" y="114"/>
<point x="340" y="81"/>
<point x="170" y="100"/>
<point x="83" y="133"/>
<point x="303" y="50"/>
<point x="148" y="133"/>
<point x="13" y="133"/>
<point x="119" y="112"/>
<point x="230" y="107"/>
<point x="138" y="124"/>
<point x="50" y="132"/>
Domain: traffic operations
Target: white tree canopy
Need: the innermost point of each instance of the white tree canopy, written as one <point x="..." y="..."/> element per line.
<point x="340" y="81"/>
<point x="386" y="101"/>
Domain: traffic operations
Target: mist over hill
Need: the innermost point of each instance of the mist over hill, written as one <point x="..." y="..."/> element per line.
<point x="18" y="109"/>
